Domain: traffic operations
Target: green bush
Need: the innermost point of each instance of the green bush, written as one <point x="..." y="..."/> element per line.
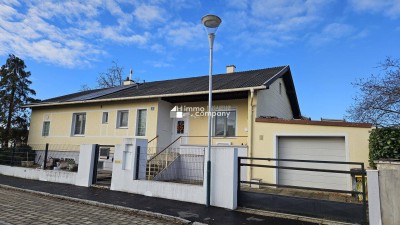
<point x="384" y="143"/>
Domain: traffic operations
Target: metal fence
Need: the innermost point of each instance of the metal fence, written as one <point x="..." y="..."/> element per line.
<point x="179" y="165"/>
<point x="42" y="156"/>
<point x="273" y="163"/>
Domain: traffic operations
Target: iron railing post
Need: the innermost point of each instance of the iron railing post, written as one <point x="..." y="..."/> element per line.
<point x="46" y="151"/>
<point x="12" y="156"/>
<point x="238" y="182"/>
<point x="364" y="194"/>
<point x="137" y="162"/>
<point x="95" y="163"/>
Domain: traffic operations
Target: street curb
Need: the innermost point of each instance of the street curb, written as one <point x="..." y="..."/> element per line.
<point x="109" y="206"/>
<point x="291" y="216"/>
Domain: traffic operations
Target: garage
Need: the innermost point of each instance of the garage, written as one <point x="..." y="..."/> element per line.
<point x="313" y="148"/>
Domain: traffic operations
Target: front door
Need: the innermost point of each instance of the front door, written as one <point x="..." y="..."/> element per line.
<point x="180" y="128"/>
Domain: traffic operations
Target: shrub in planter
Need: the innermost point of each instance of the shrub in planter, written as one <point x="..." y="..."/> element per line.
<point x="384" y="143"/>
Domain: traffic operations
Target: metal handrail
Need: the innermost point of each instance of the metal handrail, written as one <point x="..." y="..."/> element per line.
<point x="165" y="148"/>
<point x="152" y="139"/>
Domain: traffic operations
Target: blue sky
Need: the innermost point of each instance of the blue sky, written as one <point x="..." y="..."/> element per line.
<point x="327" y="43"/>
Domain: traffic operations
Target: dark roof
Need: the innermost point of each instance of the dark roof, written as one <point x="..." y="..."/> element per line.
<point x="236" y="80"/>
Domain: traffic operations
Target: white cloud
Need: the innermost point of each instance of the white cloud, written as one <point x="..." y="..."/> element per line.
<point x="336" y="31"/>
<point x="269" y="23"/>
<point x="181" y="33"/>
<point x="64" y="33"/>
<point x="159" y="64"/>
<point x="149" y="14"/>
<point x="389" y="8"/>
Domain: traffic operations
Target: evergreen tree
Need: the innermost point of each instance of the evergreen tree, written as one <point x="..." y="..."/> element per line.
<point x="14" y="93"/>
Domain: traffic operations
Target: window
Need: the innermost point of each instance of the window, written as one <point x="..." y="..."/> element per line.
<point x="122" y="119"/>
<point x="105" y="118"/>
<point x="78" y="123"/>
<point x="104" y="153"/>
<point x="180" y="127"/>
<point x="141" y="122"/>
<point x="280" y="88"/>
<point x="46" y="128"/>
<point x="225" y="124"/>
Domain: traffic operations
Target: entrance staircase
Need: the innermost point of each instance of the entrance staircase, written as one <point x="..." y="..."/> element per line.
<point x="160" y="161"/>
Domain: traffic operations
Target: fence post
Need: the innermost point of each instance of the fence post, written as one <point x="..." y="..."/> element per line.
<point x="239" y="178"/>
<point x="45" y="156"/>
<point x="12" y="156"/>
<point x="95" y="163"/>
<point x="364" y="195"/>
<point x="137" y="162"/>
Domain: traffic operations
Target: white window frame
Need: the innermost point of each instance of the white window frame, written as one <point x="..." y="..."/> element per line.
<point x="137" y="122"/>
<point x="74" y="124"/>
<point x="119" y="112"/>
<point x="48" y="131"/>
<point x="215" y="124"/>
<point x="103" y="121"/>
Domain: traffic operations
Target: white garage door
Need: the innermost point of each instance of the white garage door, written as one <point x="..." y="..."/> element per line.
<point x="313" y="148"/>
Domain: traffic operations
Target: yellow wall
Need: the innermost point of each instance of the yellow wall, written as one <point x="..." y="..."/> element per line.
<point x="198" y="126"/>
<point x="356" y="141"/>
<point x="60" y="118"/>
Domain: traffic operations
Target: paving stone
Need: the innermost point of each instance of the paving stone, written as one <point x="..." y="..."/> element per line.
<point x="26" y="208"/>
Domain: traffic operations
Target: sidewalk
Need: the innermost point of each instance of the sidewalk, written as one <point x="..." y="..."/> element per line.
<point x="189" y="211"/>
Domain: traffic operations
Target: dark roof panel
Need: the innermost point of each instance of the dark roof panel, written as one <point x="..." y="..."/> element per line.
<point x="245" y="79"/>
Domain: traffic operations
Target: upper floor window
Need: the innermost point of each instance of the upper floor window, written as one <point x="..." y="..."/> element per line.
<point x="141" y="122"/>
<point x="280" y="88"/>
<point x="46" y="128"/>
<point x="104" y="118"/>
<point x="122" y="118"/>
<point x="225" y="124"/>
<point x="78" y="123"/>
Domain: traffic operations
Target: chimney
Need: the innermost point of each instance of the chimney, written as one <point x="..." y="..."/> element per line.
<point x="230" y="69"/>
<point x="129" y="80"/>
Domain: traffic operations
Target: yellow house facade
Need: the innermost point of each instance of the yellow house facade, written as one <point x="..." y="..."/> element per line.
<point x="255" y="109"/>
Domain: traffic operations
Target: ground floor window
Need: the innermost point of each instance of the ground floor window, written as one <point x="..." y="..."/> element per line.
<point x="78" y="123"/>
<point x="225" y="124"/>
<point x="141" y="122"/>
<point x="46" y="128"/>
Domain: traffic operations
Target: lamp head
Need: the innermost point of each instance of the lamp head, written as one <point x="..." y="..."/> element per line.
<point x="211" y="23"/>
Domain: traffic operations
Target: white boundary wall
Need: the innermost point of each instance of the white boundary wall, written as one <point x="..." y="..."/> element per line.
<point x="81" y="178"/>
<point x="56" y="176"/>
<point x="223" y="177"/>
<point x="124" y="171"/>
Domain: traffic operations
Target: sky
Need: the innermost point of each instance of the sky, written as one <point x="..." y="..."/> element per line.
<point x="329" y="44"/>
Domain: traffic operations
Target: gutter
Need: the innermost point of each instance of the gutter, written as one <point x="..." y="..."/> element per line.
<point x="143" y="97"/>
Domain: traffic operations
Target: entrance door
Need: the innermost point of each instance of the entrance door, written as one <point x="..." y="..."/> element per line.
<point x="180" y="128"/>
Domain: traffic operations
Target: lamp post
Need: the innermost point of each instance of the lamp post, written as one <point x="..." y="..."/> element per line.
<point x="211" y="23"/>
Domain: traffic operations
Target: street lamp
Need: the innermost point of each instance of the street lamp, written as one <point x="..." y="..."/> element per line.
<point x="211" y="23"/>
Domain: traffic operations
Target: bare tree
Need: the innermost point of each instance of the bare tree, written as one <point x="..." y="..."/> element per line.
<point x="85" y="87"/>
<point x="112" y="77"/>
<point x="378" y="100"/>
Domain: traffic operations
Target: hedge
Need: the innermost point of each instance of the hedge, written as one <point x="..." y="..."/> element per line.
<point x="384" y="143"/>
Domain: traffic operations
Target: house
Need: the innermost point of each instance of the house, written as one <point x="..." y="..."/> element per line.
<point x="256" y="109"/>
